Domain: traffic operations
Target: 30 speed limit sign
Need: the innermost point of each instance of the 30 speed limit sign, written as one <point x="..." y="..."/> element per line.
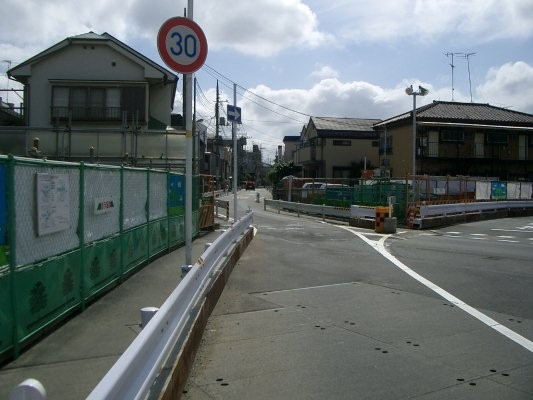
<point x="182" y="45"/>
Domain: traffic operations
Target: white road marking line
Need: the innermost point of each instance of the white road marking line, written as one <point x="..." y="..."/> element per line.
<point x="507" y="241"/>
<point x="510" y="230"/>
<point x="310" y="287"/>
<point x="506" y="237"/>
<point x="380" y="248"/>
<point x="478" y="234"/>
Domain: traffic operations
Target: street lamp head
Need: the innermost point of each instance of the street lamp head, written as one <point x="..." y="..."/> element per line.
<point x="409" y="90"/>
<point x="422" y="91"/>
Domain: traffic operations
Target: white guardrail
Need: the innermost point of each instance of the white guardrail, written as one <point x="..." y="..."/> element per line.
<point x="308" y="208"/>
<point x="135" y="371"/>
<point x="426" y="211"/>
<point x="437" y="210"/>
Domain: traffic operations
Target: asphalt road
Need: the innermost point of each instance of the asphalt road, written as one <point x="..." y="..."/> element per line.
<point x="487" y="264"/>
<point x="318" y="310"/>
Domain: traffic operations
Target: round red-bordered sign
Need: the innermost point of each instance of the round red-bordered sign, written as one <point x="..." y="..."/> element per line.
<point x="182" y="45"/>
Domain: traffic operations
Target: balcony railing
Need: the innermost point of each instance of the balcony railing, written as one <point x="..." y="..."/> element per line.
<point x="453" y="150"/>
<point x="86" y="113"/>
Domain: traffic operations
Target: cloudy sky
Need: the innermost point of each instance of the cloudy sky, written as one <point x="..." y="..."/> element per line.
<point x="295" y="58"/>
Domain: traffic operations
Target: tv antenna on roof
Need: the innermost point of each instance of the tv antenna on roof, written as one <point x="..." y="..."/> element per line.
<point x="467" y="56"/>
<point x="452" y="65"/>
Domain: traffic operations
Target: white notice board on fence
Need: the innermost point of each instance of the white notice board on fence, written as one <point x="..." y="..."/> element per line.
<point x="53" y="203"/>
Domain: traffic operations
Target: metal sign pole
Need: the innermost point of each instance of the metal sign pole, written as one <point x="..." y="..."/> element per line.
<point x="188" y="157"/>
<point x="182" y="46"/>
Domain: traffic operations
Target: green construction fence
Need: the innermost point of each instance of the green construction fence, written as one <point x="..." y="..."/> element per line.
<point x="70" y="231"/>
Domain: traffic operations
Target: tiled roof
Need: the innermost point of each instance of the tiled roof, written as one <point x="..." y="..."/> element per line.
<point x="344" y="127"/>
<point x="291" y="138"/>
<point x="89" y="35"/>
<point x="475" y="113"/>
<point x="343" y="124"/>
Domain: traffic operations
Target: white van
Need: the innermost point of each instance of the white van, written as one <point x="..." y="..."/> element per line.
<point x="312" y="188"/>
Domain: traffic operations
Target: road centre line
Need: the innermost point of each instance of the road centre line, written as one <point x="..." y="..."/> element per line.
<point x="380" y="248"/>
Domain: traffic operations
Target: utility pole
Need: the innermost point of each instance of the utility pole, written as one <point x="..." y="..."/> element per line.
<point x="217" y="139"/>
<point x="194" y="133"/>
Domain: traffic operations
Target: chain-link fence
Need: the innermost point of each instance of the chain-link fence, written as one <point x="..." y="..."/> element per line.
<point x="70" y="230"/>
<point x="405" y="194"/>
<point x="344" y="192"/>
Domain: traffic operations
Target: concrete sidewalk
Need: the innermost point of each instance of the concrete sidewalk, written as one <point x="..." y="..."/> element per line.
<point x="70" y="361"/>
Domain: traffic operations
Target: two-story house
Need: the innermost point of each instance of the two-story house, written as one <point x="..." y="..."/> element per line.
<point x="92" y="96"/>
<point x="329" y="147"/>
<point x="291" y="145"/>
<point x="459" y="139"/>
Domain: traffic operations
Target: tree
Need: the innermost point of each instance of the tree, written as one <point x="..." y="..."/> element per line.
<point x="280" y="170"/>
<point x="356" y="169"/>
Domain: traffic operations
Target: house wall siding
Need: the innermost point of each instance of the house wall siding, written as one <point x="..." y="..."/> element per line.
<point x="96" y="62"/>
<point x="345" y="156"/>
<point x="473" y="155"/>
<point x="402" y="149"/>
<point x="160" y="107"/>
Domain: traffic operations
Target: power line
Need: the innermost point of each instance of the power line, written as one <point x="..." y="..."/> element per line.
<point x="211" y="71"/>
<point x="243" y="91"/>
<point x="202" y="93"/>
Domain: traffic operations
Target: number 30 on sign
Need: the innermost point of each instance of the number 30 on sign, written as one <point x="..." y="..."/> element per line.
<point x="182" y="45"/>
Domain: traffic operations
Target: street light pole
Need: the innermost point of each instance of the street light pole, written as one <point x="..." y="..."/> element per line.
<point x="420" y="92"/>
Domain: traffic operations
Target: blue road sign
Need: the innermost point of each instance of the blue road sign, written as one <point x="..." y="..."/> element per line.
<point x="234" y="114"/>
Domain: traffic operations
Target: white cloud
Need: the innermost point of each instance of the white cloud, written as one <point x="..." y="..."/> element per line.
<point x="325" y="72"/>
<point x="266" y="27"/>
<point x="260" y="28"/>
<point x="510" y="85"/>
<point x="329" y="97"/>
<point x="35" y="25"/>
<point x="428" y="20"/>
